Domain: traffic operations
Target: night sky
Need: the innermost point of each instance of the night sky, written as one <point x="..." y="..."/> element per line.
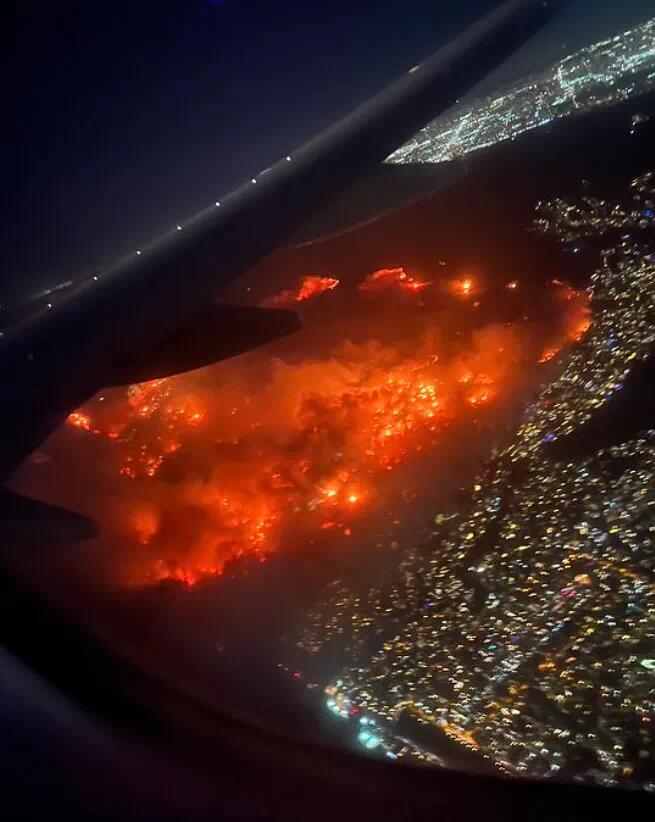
<point x="130" y="115"/>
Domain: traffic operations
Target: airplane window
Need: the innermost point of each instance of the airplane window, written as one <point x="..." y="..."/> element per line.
<point x="420" y="527"/>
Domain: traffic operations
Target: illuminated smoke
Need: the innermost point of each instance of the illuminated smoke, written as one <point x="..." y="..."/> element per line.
<point x="391" y="278"/>
<point x="233" y="460"/>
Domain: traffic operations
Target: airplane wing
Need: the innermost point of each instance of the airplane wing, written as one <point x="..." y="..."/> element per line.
<point x="388" y="189"/>
<point x="152" y="311"/>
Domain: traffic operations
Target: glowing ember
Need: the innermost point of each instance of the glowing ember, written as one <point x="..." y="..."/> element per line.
<point x="79" y="420"/>
<point x="549" y="354"/>
<point x="464" y="287"/>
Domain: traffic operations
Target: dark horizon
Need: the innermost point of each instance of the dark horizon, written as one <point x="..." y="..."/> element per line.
<point x="120" y="140"/>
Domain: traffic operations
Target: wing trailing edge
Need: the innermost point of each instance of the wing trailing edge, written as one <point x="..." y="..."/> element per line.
<point x="220" y="332"/>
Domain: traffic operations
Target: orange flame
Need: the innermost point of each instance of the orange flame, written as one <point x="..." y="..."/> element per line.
<point x="310" y="287"/>
<point x="79" y="420"/>
<point x="387" y="278"/>
<point x="578" y="319"/>
<point x="464" y="287"/>
<point x="215" y="469"/>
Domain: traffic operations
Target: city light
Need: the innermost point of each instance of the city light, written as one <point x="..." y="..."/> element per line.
<point x="604" y="73"/>
<point x="519" y="634"/>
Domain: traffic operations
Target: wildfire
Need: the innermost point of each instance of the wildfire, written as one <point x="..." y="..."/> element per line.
<point x="480" y="396"/>
<point x="577" y="319"/>
<point x="310" y="287"/>
<point x="549" y="354"/>
<point x="390" y="278"/>
<point x="227" y="462"/>
<point x="580" y="328"/>
<point x="80" y="420"/>
<point x="464" y="287"/>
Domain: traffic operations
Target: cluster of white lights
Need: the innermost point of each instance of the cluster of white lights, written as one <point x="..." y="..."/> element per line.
<point x="217" y="204"/>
